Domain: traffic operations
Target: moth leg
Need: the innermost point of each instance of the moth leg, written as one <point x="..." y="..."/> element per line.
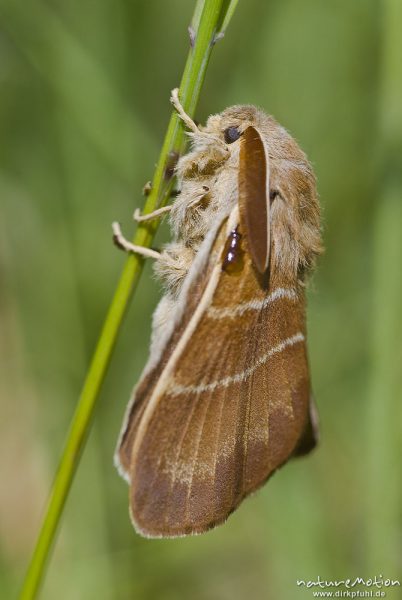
<point x="175" y="260"/>
<point x="195" y="131"/>
<point x="122" y="243"/>
<point x="146" y="190"/>
<point x="155" y="214"/>
<point x="191" y="35"/>
<point x="199" y="196"/>
<point x="187" y="120"/>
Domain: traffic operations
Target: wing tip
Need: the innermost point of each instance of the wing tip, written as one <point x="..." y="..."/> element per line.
<point x="122" y="471"/>
<point x="166" y="532"/>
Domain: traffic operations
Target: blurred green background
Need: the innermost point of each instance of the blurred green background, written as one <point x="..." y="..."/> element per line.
<point x="84" y="103"/>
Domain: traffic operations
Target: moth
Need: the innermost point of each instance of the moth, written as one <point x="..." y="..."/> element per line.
<point x="225" y="398"/>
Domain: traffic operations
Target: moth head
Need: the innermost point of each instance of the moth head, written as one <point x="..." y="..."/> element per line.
<point x="291" y="196"/>
<point x="230" y="125"/>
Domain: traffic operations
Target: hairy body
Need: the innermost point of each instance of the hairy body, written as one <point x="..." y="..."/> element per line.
<point x="208" y="191"/>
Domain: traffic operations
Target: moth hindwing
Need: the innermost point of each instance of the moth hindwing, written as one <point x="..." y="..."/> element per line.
<point x="225" y="397"/>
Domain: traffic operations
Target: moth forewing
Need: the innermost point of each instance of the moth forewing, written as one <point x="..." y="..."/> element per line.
<point x="254" y="196"/>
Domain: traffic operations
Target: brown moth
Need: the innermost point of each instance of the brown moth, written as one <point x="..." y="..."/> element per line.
<point x="225" y="397"/>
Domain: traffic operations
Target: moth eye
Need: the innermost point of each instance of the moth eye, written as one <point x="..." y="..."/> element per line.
<point x="273" y="194"/>
<point x="231" y="134"/>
